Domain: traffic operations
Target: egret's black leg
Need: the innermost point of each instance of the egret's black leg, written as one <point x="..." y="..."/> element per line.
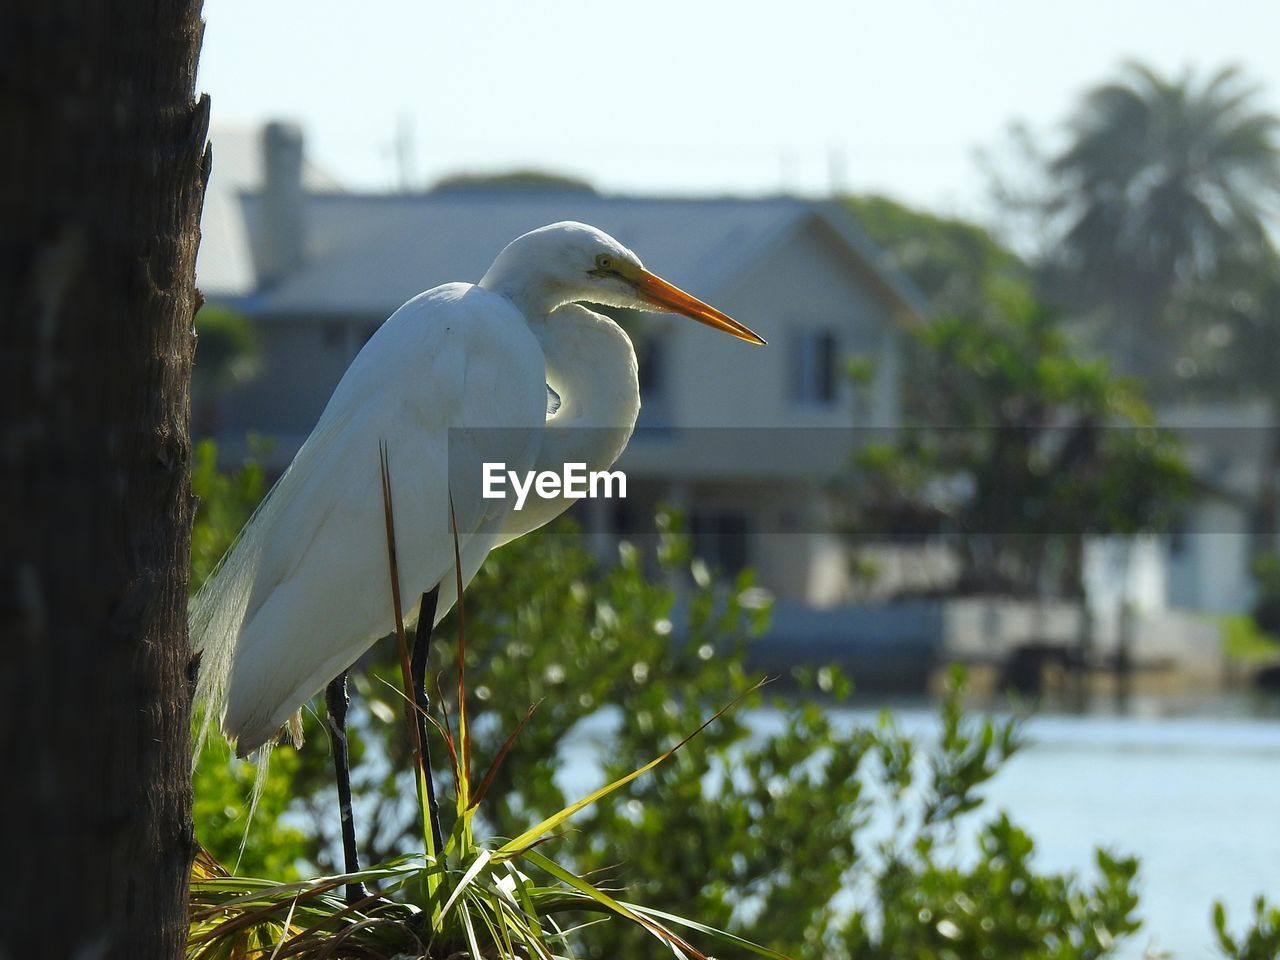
<point x="335" y="701"/>
<point x="418" y="666"/>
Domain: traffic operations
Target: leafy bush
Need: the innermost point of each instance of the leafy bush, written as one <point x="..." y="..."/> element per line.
<point x="229" y="349"/>
<point x="1261" y="941"/>
<point x="458" y="896"/>
<point x="226" y="501"/>
<point x="1020" y="450"/>
<point x="781" y="823"/>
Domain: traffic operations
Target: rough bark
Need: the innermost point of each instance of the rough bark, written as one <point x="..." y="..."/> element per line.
<point x="101" y="183"/>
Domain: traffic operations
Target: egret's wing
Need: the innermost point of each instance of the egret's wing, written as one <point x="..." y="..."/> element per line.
<point x="452" y="375"/>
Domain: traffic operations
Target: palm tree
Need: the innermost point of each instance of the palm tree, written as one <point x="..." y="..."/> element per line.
<point x="1163" y="182"/>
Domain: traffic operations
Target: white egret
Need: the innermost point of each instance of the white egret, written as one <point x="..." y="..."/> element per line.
<point x="461" y="370"/>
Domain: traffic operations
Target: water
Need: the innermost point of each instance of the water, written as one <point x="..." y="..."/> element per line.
<point x="1194" y="797"/>
<point x="1192" y="790"/>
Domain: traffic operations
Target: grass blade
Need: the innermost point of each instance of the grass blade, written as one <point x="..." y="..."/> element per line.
<point x="432" y="878"/>
<point x="470" y="929"/>
<point x="501" y="755"/>
<point x="464" y="734"/>
<point x="528" y="932"/>
<point x="722" y="935"/>
<point x="467" y="878"/>
<point x="603" y="899"/>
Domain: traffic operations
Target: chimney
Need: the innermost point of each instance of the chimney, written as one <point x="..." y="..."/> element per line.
<point x="283" y="199"/>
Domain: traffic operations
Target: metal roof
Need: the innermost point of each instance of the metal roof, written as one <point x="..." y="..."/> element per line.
<point x="368" y="253"/>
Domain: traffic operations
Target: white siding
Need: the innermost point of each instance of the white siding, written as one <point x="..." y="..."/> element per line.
<point x="807" y="282"/>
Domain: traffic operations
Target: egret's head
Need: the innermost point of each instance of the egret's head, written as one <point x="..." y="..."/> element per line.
<point x="568" y="262"/>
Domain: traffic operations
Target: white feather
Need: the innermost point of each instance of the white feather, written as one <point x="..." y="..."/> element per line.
<point x="453" y="377"/>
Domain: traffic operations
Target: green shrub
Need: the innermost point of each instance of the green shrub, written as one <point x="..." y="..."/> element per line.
<point x="782" y="822"/>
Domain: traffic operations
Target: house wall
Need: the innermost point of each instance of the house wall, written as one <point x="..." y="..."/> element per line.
<point x="805" y="282"/>
<point x="1209" y="558"/>
<point x="303" y="360"/>
<point x="783" y="539"/>
<point x="1209" y="562"/>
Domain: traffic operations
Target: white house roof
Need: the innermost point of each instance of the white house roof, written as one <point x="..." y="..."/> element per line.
<point x="368" y="254"/>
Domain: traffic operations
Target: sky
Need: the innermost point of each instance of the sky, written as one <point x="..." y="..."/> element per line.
<point x="697" y="97"/>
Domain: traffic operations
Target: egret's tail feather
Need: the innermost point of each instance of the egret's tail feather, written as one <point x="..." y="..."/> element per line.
<point x="217" y="613"/>
<point x="220" y="608"/>
<point x="259" y="785"/>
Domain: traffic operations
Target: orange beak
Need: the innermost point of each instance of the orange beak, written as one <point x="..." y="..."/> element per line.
<point x="667" y="297"/>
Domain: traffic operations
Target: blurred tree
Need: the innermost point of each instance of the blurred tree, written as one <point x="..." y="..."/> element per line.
<point x="1266" y="609"/>
<point x="1164" y="181"/>
<point x="1260" y="941"/>
<point x="1149" y="229"/>
<point x="101" y="183"/>
<point x="1020" y="189"/>
<point x="228" y="353"/>
<point x="1230" y="342"/>
<point x="224" y="502"/>
<point x="227" y="349"/>
<point x="1022" y="449"/>
<point x="1233" y="355"/>
<point x="513" y="180"/>
<point x="954" y="263"/>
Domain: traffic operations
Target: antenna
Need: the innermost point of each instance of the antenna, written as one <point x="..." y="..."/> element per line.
<point x="404" y="151"/>
<point x="787" y="170"/>
<point x="837" y="170"/>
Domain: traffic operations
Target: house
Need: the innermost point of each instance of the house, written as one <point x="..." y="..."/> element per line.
<point x="1208" y="558"/>
<point x="741" y="439"/>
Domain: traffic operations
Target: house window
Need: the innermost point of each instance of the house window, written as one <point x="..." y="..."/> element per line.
<point x="652" y="367"/>
<point x="812" y="368"/>
<point x="720" y="538"/>
<point x="655" y="404"/>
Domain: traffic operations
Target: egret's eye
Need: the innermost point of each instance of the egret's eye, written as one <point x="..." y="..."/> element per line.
<point x="604" y="262"/>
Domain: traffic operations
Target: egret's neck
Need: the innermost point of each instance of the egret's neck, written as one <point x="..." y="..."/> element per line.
<point x="590" y="361"/>
<point x="592" y="366"/>
<point x="534" y="291"/>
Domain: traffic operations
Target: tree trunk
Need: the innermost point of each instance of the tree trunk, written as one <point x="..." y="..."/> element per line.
<point x="101" y="182"/>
